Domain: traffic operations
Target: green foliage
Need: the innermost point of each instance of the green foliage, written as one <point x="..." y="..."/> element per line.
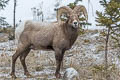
<point x="3" y="3"/>
<point x="110" y="18"/>
<point x="72" y="5"/>
<point x="111" y="13"/>
<point x="3" y="23"/>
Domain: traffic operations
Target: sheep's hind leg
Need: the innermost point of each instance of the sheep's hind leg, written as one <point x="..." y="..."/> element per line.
<point x="18" y="52"/>
<point x="22" y="59"/>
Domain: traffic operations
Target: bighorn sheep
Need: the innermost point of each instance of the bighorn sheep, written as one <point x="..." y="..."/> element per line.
<point x="57" y="36"/>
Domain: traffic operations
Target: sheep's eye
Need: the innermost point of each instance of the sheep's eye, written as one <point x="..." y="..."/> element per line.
<point x="80" y="14"/>
<point x="81" y="17"/>
<point x="64" y="17"/>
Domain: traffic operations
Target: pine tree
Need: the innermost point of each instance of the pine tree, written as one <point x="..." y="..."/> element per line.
<point x="110" y="19"/>
<point x="3" y="3"/>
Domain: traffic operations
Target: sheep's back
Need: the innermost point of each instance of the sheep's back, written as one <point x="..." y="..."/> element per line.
<point x="40" y="34"/>
<point x="38" y="26"/>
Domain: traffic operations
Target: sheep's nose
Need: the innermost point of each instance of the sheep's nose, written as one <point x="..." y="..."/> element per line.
<point x="75" y="22"/>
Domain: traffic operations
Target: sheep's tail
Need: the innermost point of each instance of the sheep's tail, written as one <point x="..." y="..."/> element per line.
<point x="18" y="31"/>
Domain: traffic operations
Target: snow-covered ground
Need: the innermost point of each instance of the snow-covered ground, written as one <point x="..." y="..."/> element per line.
<point x="86" y="56"/>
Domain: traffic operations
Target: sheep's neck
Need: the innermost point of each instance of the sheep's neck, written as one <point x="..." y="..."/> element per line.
<point x="70" y="33"/>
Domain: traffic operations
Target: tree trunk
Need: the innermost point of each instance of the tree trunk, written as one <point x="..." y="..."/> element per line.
<point x="14" y="23"/>
<point x="42" y="17"/>
<point x="106" y="53"/>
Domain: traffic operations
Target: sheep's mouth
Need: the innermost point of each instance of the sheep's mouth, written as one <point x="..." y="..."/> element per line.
<point x="75" y="26"/>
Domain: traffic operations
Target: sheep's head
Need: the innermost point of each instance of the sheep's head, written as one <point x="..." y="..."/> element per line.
<point x="71" y="16"/>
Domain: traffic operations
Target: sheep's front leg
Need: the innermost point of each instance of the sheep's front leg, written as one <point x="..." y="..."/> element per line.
<point x="59" y="57"/>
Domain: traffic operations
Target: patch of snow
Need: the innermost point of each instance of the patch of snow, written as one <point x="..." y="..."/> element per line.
<point x="93" y="36"/>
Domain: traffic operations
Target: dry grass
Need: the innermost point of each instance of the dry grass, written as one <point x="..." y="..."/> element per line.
<point x="100" y="48"/>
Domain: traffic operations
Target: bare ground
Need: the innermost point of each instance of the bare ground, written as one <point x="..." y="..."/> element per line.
<point x="86" y="56"/>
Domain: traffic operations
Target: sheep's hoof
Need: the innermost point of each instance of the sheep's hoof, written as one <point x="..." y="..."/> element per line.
<point x="58" y="75"/>
<point x="28" y="75"/>
<point x="13" y="76"/>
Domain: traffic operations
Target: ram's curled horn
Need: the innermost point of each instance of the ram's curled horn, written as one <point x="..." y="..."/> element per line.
<point x="80" y="8"/>
<point x="61" y="10"/>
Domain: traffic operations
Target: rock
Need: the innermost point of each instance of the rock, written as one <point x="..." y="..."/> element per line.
<point x="71" y="74"/>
